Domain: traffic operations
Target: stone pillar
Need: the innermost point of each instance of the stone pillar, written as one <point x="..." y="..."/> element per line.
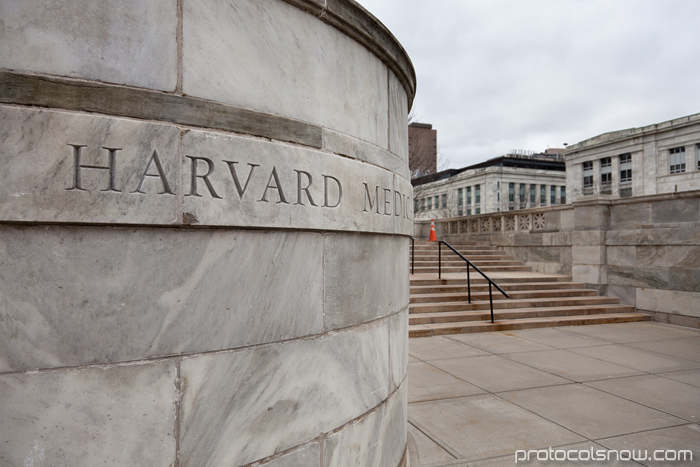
<point x="205" y="209"/>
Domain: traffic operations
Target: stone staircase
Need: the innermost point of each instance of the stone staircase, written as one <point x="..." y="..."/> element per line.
<point x="440" y="306"/>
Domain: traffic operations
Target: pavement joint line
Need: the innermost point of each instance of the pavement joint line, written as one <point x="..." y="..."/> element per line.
<point x="640" y="403"/>
<point x="422" y="429"/>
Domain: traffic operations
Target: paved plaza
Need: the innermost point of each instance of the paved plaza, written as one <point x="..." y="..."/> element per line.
<point x="476" y="399"/>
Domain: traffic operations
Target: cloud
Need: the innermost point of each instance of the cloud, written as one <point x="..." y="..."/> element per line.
<point x="510" y="74"/>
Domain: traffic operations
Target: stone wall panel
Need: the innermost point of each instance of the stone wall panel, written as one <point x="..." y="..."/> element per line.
<point x="377" y="440"/>
<point x="116" y="416"/>
<point x="312" y="71"/>
<point x="366" y="277"/>
<point x="279" y="395"/>
<point x="210" y="290"/>
<point x="129" y="42"/>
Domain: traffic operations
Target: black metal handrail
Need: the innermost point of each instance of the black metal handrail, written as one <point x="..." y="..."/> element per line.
<point x="469" y="286"/>
<point x="413" y="254"/>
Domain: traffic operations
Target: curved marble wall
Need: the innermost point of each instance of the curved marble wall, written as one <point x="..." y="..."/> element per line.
<point x="204" y="218"/>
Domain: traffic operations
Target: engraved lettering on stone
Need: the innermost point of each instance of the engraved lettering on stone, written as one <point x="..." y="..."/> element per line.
<point x="398" y="204"/>
<point x="205" y="177"/>
<point x="232" y="169"/>
<point x="387" y="202"/>
<point x="161" y="174"/>
<point x="326" y="196"/>
<point x="300" y="188"/>
<point x="368" y="199"/>
<point x="77" y="166"/>
<point x="277" y="186"/>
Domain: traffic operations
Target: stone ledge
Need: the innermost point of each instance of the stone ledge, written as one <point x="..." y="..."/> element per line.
<point x="122" y="101"/>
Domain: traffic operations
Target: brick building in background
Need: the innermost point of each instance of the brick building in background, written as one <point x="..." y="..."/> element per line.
<point x="422" y="149"/>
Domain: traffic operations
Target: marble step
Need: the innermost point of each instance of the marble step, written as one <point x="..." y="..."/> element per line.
<point x="482" y="286"/>
<point x="501" y="303"/>
<point x="514" y="295"/>
<point x="427" y="330"/>
<point x="517" y="313"/>
<point x="480" y="280"/>
<point x="463" y="264"/>
<point x="455" y="269"/>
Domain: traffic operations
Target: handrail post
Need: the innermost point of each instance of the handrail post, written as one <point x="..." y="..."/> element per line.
<point x="413" y="255"/>
<point x="491" y="301"/>
<point x="469" y="285"/>
<point x="440" y="260"/>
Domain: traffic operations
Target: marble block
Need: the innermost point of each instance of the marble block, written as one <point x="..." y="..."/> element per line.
<point x="312" y="71"/>
<point x="398" y="110"/>
<point x="242" y="406"/>
<point x="398" y="350"/>
<point x="130" y="42"/>
<point x="106" y="294"/>
<point x="366" y="277"/>
<point x="68" y="167"/>
<point x="231" y="180"/>
<point x="123" y="415"/>
<point x="376" y="440"/>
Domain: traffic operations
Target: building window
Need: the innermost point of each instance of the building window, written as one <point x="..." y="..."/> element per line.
<point x="588" y="178"/>
<point x="478" y="210"/>
<point x="498" y="196"/>
<point x="625" y="168"/>
<point x="477" y="195"/>
<point x="469" y="211"/>
<point x="469" y="196"/>
<point x="444" y="201"/>
<point x="543" y="195"/>
<point x="460" y="201"/>
<point x="562" y="192"/>
<point x="437" y="202"/>
<point x="697" y="151"/>
<point x="511" y="193"/>
<point x="521" y="197"/>
<point x="430" y="203"/>
<point x="606" y="175"/>
<point x="533" y="194"/>
<point x="553" y="195"/>
<point x="677" y="160"/>
<point x="415" y="205"/>
<point x="422" y="204"/>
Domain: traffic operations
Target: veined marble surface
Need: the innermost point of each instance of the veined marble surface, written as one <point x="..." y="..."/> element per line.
<point x="376" y="440"/>
<point x="116" y="416"/>
<point x="130" y="42"/>
<point x="241" y="406"/>
<point x="38" y="181"/>
<point x="273" y="57"/>
<point x="116" y="294"/>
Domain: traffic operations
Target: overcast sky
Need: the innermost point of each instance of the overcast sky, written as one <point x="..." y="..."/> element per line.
<point x="496" y="75"/>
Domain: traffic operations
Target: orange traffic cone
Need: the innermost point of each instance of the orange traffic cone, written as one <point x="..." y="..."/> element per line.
<point x="433" y="237"/>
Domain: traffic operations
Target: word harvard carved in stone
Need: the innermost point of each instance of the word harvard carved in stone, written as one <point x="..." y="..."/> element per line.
<point x="251" y="181"/>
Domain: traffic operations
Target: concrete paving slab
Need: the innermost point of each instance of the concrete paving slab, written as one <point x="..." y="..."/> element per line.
<point x="673" y="397"/>
<point x="572" y="366"/>
<point x="495" y="374"/>
<point x="689" y="377"/>
<point x="439" y="348"/>
<point x="424" y="450"/>
<point x="614" y="333"/>
<point x="685" y="348"/>
<point x="657" y="331"/>
<point x="499" y="342"/>
<point x="638" y="359"/>
<point x="680" y="438"/>
<point x="426" y="383"/>
<point x="557" y="338"/>
<point x="480" y="427"/>
<point x="590" y="412"/>
<point x="412" y="359"/>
